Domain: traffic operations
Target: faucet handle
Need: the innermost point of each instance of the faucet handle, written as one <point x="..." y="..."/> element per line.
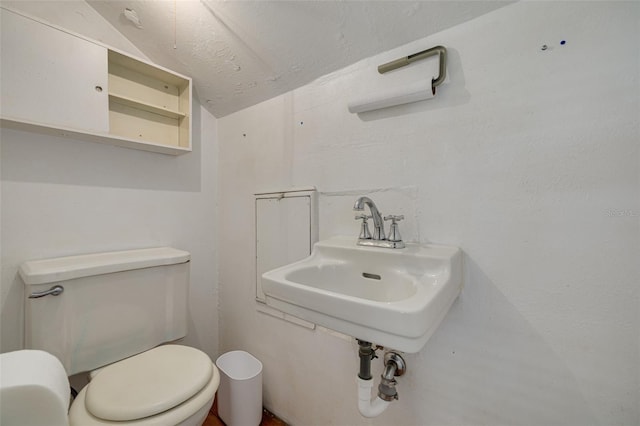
<point x="394" y="232"/>
<point x="363" y="216"/>
<point x="364" y="228"/>
<point x="394" y="218"/>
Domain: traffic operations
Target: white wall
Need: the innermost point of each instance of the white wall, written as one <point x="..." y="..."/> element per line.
<point x="526" y="159"/>
<point x="63" y="197"/>
<point x="76" y="16"/>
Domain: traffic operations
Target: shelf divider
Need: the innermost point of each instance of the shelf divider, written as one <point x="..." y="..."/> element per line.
<point x="134" y="103"/>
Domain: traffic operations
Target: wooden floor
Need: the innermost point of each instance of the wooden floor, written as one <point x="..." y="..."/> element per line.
<point x="268" y="419"/>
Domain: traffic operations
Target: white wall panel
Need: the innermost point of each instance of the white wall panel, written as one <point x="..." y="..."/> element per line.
<point x="527" y="159"/>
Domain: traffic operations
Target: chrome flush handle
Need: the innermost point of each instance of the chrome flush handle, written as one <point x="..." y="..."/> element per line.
<point x="53" y="291"/>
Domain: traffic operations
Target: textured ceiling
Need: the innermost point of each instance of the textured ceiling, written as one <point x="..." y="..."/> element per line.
<point x="240" y="53"/>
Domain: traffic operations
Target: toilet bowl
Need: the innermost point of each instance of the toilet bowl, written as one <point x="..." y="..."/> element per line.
<point x="168" y="385"/>
<point x="111" y="314"/>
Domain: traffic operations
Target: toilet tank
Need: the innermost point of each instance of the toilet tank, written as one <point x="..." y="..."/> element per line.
<point x="114" y="305"/>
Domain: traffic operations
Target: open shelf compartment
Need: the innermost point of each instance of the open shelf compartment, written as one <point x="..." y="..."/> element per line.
<point x="147" y="103"/>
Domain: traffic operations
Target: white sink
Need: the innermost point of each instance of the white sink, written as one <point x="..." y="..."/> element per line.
<point x="392" y="297"/>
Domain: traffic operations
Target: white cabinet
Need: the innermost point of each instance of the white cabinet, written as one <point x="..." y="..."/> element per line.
<point x="55" y="82"/>
<point x="51" y="77"/>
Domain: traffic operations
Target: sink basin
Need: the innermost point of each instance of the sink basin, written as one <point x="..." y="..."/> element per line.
<point x="392" y="297"/>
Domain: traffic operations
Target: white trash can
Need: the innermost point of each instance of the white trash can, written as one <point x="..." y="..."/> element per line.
<point x="240" y="390"/>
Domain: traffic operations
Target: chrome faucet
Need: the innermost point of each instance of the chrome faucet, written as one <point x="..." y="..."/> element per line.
<point x="378" y="239"/>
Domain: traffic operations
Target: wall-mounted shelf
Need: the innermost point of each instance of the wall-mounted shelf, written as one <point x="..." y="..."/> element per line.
<point x="85" y="136"/>
<point x="59" y="83"/>
<point x="147" y="102"/>
<point x="134" y="103"/>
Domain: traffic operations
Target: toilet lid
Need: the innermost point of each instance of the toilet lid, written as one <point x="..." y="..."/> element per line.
<point x="148" y="383"/>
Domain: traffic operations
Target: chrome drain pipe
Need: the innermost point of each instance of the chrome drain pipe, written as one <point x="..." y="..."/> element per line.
<point x="394" y="366"/>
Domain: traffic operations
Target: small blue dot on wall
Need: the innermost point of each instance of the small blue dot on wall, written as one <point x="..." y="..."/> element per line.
<point x="563" y="42"/>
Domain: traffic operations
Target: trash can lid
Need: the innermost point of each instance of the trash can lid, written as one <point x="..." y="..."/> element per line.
<point x="148" y="383"/>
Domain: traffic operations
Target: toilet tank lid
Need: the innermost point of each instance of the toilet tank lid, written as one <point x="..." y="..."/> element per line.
<point x="67" y="268"/>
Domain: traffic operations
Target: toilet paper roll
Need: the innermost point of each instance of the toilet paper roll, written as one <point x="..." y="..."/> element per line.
<point x="419" y="91"/>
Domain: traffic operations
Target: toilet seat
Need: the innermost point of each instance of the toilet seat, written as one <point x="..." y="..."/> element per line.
<point x="167" y="385"/>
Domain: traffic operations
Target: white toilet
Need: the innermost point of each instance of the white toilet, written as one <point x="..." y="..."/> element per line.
<point x="114" y="311"/>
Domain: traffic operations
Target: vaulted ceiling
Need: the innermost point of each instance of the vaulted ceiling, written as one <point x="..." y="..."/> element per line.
<point x="240" y="53"/>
